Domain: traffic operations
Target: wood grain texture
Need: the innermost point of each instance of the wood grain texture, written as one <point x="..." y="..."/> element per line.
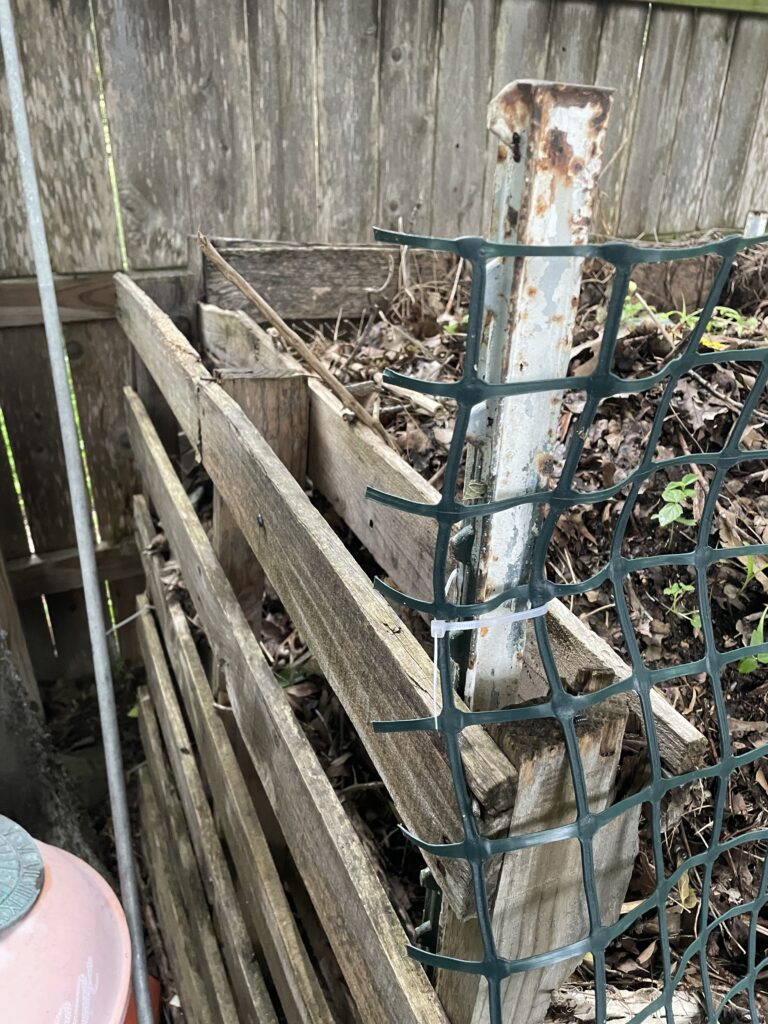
<point x="100" y="363"/>
<point x="169" y="904"/>
<point x="346" y="892"/>
<point x="189" y="884"/>
<point x="10" y="624"/>
<point x="217" y="129"/>
<point x="61" y="92"/>
<point x="90" y="297"/>
<point x="463" y="91"/>
<point x="669" y="38"/>
<point x="314" y="281"/>
<point x="56" y="572"/>
<point x="283" y="65"/>
<point x="141" y="91"/>
<point x="754" y="185"/>
<point x="407" y="93"/>
<point x="13" y="537"/>
<point x="691" y="153"/>
<point x="252" y="998"/>
<point x="739" y="114"/>
<point x="29" y="407"/>
<point x="574" y="41"/>
<point x="347" y="112"/>
<point x="621" y="47"/>
<point x="265" y="904"/>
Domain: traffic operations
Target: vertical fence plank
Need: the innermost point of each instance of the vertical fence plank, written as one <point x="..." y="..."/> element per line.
<point x="463" y="91"/>
<point x="408" y="83"/>
<point x="522" y="38"/>
<point x="29" y="406"/>
<point x="99" y="355"/>
<point x="669" y="38"/>
<point x="347" y="101"/>
<point x="216" y="124"/>
<point x="57" y="55"/>
<point x="621" y="48"/>
<point x="137" y="61"/>
<point x="13" y="537"/>
<point x="730" y="144"/>
<point x="574" y="41"/>
<point x="283" y="65"/>
<point x="700" y="104"/>
<point x="754" y="187"/>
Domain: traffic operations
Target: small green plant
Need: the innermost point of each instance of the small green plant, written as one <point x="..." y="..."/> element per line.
<point x="677" y="496"/>
<point x="452" y="325"/>
<point x="723" y="320"/>
<point x="753" y="661"/>
<point x="677" y="591"/>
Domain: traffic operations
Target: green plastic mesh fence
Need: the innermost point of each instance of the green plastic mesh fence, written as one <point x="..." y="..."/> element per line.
<point x="562" y="705"/>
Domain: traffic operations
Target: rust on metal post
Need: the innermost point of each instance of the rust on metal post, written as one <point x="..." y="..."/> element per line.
<point x="552" y="139"/>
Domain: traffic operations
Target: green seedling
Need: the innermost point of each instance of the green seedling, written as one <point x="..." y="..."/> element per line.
<point x="753" y="661"/>
<point x="677" y="591"/>
<point x="677" y="496"/>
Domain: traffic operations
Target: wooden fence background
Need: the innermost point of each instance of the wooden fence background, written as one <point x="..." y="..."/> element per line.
<point x="310" y="120"/>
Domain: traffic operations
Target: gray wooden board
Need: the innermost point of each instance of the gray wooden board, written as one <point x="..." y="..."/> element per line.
<point x="347" y="109"/>
<point x="29" y="407"/>
<point x="13" y="537"/>
<point x="10" y="623"/>
<point x="283" y="68"/>
<point x="407" y="89"/>
<point x="621" y="47"/>
<point x="346" y="892"/>
<point x="733" y="138"/>
<point x="100" y="361"/>
<point x="692" y="152"/>
<point x="754" y="185"/>
<point x="463" y="91"/>
<point x="574" y="41"/>
<point x="61" y="90"/>
<point x="217" y="129"/>
<point x="58" y="571"/>
<point x="662" y="78"/>
<point x="141" y="92"/>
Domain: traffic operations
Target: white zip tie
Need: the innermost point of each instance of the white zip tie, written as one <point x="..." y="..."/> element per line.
<point x="440" y="627"/>
<point x="119" y="625"/>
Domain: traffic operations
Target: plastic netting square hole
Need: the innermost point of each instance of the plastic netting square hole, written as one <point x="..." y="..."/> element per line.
<point x="663" y="607"/>
<point x="665" y="516"/>
<point x="693" y="697"/>
<point x="634" y="956"/>
<point x="738" y="596"/>
<point x="741" y="510"/>
<point x="583" y="539"/>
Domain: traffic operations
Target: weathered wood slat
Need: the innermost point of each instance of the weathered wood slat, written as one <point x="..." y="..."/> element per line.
<point x="697" y="119"/>
<point x="347" y="118"/>
<point x="283" y="65"/>
<point x="217" y="128"/>
<point x="312" y="281"/>
<point x="138" y="65"/>
<point x="189" y="884"/>
<point x="13" y="536"/>
<point x="29" y="407"/>
<point x="169" y="902"/>
<point x="265" y="904"/>
<point x="463" y="83"/>
<point x="56" y="572"/>
<point x="346" y="892"/>
<point x="669" y="38"/>
<point x="100" y="362"/>
<point x="730" y="144"/>
<point x="754" y="186"/>
<point x="574" y="41"/>
<point x="10" y="623"/>
<point x="621" y="47"/>
<point x="407" y="92"/>
<point x="248" y="985"/>
<point x="751" y="6"/>
<point x="321" y="585"/>
<point x="56" y="51"/>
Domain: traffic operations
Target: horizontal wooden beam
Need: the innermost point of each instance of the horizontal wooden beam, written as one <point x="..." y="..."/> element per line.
<point x="375" y="665"/>
<point x="265" y="904"/>
<point x="745" y="6"/>
<point x="58" y="572"/>
<point x="343" y="460"/>
<point x="80" y="298"/>
<point x="336" y="870"/>
<point x="315" y="281"/>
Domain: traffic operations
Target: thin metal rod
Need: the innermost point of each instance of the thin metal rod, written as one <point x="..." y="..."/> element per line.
<point x="82" y="517"/>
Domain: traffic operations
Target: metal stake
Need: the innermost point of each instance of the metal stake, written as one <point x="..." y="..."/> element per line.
<point x="82" y="517"/>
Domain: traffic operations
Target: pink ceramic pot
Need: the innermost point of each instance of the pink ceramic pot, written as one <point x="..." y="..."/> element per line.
<point x="68" y="960"/>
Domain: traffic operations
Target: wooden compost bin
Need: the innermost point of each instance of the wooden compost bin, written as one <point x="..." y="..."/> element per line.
<point x="217" y="879"/>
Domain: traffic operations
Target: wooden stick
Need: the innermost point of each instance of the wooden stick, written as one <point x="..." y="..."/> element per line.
<point x="290" y="337"/>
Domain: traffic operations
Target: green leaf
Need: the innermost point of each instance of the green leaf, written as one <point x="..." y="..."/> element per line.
<point x="686" y="521"/>
<point x="669" y="514"/>
<point x="747" y="665"/>
<point x="134" y="712"/>
<point x="696" y="620"/>
<point x="689" y="478"/>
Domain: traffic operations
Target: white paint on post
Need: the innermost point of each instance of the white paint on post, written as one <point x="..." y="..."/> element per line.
<point x="546" y="185"/>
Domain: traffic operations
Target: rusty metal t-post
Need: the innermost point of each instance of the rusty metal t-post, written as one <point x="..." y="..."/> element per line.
<point x="552" y="139"/>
